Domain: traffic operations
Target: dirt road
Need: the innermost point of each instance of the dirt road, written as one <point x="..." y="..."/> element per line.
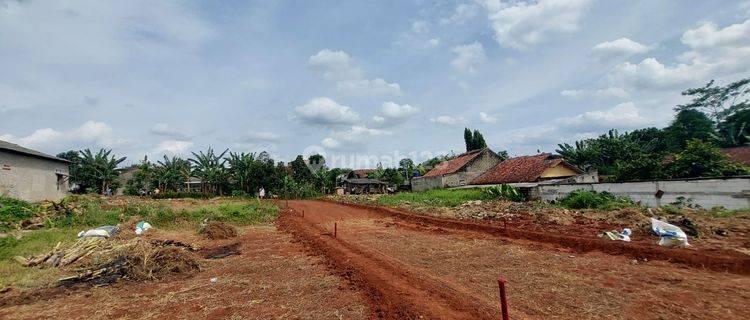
<point x="409" y="267"/>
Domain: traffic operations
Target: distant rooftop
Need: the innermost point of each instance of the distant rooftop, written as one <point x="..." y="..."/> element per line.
<point x="12" y="147"/>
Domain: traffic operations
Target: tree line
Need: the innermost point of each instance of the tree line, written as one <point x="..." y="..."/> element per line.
<point x="716" y="117"/>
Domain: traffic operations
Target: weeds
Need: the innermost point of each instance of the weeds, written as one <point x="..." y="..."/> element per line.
<point x="588" y="199"/>
<point x="436" y="197"/>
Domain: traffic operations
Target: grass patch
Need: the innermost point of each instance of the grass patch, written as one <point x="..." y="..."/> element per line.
<point x="435" y="197"/>
<point x="32" y="242"/>
<point x="588" y="199"/>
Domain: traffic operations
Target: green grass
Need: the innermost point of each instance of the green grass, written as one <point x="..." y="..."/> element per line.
<point x="32" y="242"/>
<point x="435" y="197"/>
<point x="587" y="199"/>
<point x="93" y="212"/>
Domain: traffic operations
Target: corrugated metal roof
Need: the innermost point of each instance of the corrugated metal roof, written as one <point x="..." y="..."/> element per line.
<point x="12" y="147"/>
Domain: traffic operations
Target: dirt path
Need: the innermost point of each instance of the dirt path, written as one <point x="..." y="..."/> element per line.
<point x="410" y="267"/>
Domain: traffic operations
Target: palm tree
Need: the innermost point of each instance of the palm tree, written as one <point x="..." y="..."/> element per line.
<point x="100" y="169"/>
<point x="210" y="168"/>
<point x="169" y="173"/>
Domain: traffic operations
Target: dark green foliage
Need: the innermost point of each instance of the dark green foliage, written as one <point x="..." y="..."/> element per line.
<point x="690" y="124"/>
<point x="700" y="159"/>
<point x="735" y="129"/>
<point x="718" y="102"/>
<point x="588" y="199"/>
<point x="74" y="169"/>
<point x="392" y="177"/>
<point x="13" y="211"/>
<point x="503" y="154"/>
<point x="211" y="169"/>
<point x="505" y="191"/>
<point x="98" y="172"/>
<point x="300" y="172"/>
<point x="473" y="141"/>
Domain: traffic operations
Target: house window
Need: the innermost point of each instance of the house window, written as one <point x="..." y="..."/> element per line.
<point x="461" y="182"/>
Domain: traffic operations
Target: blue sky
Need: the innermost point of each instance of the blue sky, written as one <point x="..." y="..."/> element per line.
<point x="368" y="78"/>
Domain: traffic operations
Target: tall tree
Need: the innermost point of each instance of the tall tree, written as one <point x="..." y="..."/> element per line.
<point x="74" y="170"/>
<point x="99" y="171"/>
<point x="479" y="142"/>
<point x="690" y="124"/>
<point x="300" y="172"/>
<point x="211" y="169"/>
<point x="468" y="139"/>
<point x="717" y="101"/>
<point x="735" y="129"/>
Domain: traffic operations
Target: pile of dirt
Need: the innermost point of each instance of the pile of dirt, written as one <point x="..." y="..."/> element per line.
<point x="218" y="230"/>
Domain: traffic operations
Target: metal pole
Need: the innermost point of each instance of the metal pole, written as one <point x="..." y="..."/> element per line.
<point x="503" y="298"/>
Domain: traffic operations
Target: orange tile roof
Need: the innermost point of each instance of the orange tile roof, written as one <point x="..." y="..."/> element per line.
<point x="521" y="169"/>
<point x="455" y="164"/>
<point x="738" y="155"/>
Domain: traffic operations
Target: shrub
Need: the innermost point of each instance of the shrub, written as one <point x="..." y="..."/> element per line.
<point x="435" y="197"/>
<point x="588" y="199"/>
<point x="13" y="211"/>
<point x="506" y="192"/>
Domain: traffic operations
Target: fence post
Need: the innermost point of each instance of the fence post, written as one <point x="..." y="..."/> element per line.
<point x="503" y="298"/>
<point x="335" y="229"/>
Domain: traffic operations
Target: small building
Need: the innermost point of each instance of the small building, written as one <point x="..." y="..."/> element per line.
<point x="458" y="171"/>
<point x="359" y="173"/>
<point x="363" y="186"/>
<point x="528" y="169"/>
<point x="31" y="175"/>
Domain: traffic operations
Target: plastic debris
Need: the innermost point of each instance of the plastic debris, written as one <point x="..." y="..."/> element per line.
<point x="141" y="227"/>
<point x="614" y="235"/>
<point x="671" y="235"/>
<point x="101" y="232"/>
<point x="214" y="280"/>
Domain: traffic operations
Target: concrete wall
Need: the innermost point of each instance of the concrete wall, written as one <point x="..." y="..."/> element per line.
<point x="426" y="183"/>
<point x="31" y="178"/>
<point x="731" y="193"/>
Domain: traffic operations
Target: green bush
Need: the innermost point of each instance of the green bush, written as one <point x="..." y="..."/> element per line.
<point x="588" y="199"/>
<point x="506" y="192"/>
<point x="12" y="211"/>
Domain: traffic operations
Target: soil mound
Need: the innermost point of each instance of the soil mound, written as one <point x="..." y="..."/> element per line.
<point x="219" y="230"/>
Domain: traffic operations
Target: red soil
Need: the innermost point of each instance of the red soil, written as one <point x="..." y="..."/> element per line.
<point x="441" y="268"/>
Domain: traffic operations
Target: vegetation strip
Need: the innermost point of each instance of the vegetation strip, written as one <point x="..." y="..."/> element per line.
<point x="738" y="263"/>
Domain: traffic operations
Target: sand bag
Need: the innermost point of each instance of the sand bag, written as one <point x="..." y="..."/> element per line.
<point x="671" y="235"/>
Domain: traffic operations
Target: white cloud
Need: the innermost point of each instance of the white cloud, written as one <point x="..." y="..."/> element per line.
<point x="468" y="57"/>
<point x="622" y="116"/>
<point x="90" y="133"/>
<point x="462" y="13"/>
<point x="353" y="138"/>
<point x="619" y="48"/>
<point x="715" y="53"/>
<point x="375" y="86"/>
<point x="487" y="118"/>
<point x="325" y="112"/>
<point x="605" y="93"/>
<point x="448" y="120"/>
<point x="392" y="114"/>
<point x="521" y="25"/>
<point x="173" y="147"/>
<point x="434" y="42"/>
<point x="338" y="66"/>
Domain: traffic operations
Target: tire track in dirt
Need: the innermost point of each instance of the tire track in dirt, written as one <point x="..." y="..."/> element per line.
<point x="722" y="261"/>
<point x="394" y="290"/>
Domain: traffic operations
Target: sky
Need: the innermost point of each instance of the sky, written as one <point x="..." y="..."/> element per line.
<point x="360" y="82"/>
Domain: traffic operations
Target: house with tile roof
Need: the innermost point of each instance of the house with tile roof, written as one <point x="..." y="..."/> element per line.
<point x="31" y="175"/>
<point x="739" y="155"/>
<point x="527" y="169"/>
<point x="459" y="171"/>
